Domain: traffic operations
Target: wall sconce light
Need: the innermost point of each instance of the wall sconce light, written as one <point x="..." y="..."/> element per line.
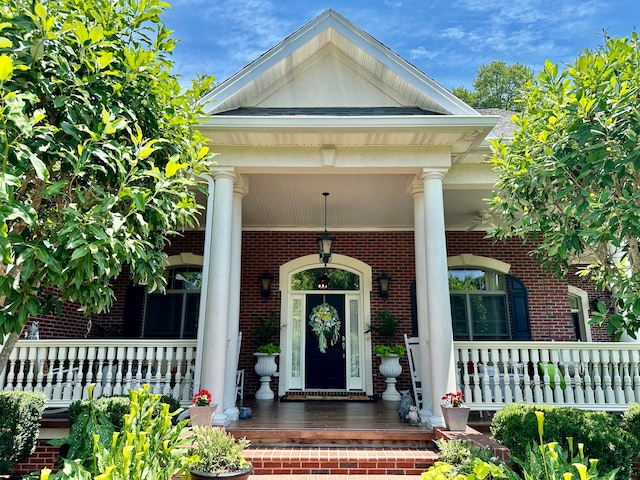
<point x="383" y="285"/>
<point x="265" y="285"/>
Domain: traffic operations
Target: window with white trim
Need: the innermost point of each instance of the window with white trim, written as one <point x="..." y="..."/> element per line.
<point x="479" y="308"/>
<point x="174" y="314"/>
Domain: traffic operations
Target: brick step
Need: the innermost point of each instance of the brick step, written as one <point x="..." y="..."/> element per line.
<point x="334" y="477"/>
<point x="420" y="437"/>
<point x="349" y="461"/>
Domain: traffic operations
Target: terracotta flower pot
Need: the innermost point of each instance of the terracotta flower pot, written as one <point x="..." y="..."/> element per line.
<point x="455" y="418"/>
<point x="202" y="415"/>
<point x="237" y="475"/>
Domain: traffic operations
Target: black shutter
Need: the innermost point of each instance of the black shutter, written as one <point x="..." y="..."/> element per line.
<point x="133" y="311"/>
<point x="519" y="309"/>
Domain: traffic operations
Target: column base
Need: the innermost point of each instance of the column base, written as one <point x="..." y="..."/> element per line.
<point x="435" y="421"/>
<point x="221" y="419"/>
<point x="425" y="415"/>
<point x="232" y="413"/>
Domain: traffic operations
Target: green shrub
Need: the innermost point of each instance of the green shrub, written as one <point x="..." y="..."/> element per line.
<point x="20" y="414"/>
<point x="113" y="408"/>
<point x="516" y="426"/>
<point x="479" y="470"/>
<point x="549" y="461"/>
<point x="460" y="454"/>
<point x="149" y="446"/>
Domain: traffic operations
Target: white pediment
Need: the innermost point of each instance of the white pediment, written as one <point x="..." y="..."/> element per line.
<point x="329" y="79"/>
<point x="344" y="65"/>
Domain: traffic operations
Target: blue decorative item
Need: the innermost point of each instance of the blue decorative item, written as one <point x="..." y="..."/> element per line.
<point x="245" y="413"/>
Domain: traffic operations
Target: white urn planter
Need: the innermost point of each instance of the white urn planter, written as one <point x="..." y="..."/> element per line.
<point x="265" y="367"/>
<point x="391" y="369"/>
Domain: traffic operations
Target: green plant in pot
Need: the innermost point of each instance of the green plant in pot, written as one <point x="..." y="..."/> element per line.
<point x="214" y="453"/>
<point x="265" y="334"/>
<point x="388" y="327"/>
<point x="266" y="355"/>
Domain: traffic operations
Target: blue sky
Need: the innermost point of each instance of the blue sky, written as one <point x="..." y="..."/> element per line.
<point x="449" y="41"/>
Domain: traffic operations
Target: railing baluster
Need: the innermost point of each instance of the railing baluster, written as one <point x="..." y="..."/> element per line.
<point x="635" y="374"/>
<point x="578" y="377"/>
<point x="175" y="391"/>
<point x="77" y="376"/>
<point x="477" y="390"/>
<point x="527" y="381"/>
<point x="617" y="365"/>
<point x="170" y="370"/>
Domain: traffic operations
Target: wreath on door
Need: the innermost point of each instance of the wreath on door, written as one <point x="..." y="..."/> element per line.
<point x="325" y="323"/>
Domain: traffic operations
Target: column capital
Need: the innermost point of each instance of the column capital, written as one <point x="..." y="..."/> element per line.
<point x="416" y="187"/>
<point x="224" y="173"/>
<point x="241" y="185"/>
<point x="433" y="173"/>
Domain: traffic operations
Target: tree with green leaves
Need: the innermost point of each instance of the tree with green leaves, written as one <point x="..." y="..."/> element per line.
<point x="497" y="85"/>
<point x="569" y="177"/>
<point x="99" y="160"/>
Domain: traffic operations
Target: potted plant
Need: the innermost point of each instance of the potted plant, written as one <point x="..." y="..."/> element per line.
<point x="214" y="453"/>
<point x="266" y="354"/>
<point x="201" y="411"/>
<point x="388" y="327"/>
<point x="454" y="411"/>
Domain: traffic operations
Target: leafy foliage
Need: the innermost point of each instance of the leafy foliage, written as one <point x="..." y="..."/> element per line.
<point x="149" y="446"/>
<point x="387" y="327"/>
<point x="216" y="451"/>
<point x="267" y="329"/>
<point x="516" y="427"/>
<point x="461" y="454"/>
<point x="20" y="414"/>
<point x="497" y="85"/>
<point x="477" y="470"/>
<point x="550" y="461"/>
<point x="568" y="179"/>
<point x="98" y="157"/>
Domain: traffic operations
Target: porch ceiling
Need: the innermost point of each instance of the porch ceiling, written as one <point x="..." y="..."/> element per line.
<point x="356" y="202"/>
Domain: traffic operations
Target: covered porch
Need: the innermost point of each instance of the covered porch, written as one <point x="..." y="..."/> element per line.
<point x="597" y="376"/>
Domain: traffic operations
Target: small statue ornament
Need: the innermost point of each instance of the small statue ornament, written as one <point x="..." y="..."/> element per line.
<point x="413" y="417"/>
<point x="405" y="403"/>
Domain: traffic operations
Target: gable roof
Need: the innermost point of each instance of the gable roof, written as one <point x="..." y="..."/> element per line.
<point x="332" y="41"/>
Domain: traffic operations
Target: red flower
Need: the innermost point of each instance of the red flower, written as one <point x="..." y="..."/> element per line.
<point x="453" y="399"/>
<point x="202" y="398"/>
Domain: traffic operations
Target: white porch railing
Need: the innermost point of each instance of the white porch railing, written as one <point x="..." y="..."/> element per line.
<point x="598" y="376"/>
<point x="63" y="368"/>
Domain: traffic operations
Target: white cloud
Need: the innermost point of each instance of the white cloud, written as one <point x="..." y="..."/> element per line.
<point x="422" y="52"/>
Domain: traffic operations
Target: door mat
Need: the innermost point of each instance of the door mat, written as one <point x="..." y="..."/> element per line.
<point x="331" y="396"/>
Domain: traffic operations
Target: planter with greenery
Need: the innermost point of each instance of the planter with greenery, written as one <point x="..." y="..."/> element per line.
<point x="388" y="327"/>
<point x="266" y="354"/>
<point x="214" y="453"/>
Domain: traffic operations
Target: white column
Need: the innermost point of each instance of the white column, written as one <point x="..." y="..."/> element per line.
<point x="214" y="352"/>
<point x="421" y="298"/>
<point x="204" y="287"/>
<point x="443" y="369"/>
<point x="233" y="327"/>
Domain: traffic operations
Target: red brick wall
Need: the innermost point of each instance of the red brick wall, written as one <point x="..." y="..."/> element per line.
<point x="385" y="252"/>
<point x="44" y="456"/>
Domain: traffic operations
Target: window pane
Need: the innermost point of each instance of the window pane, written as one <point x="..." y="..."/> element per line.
<point x="163" y="315"/>
<point x="459" y="317"/>
<point x="489" y="314"/>
<point x="354" y="338"/>
<point x="296" y="349"/>
<point x="338" y="279"/>
<point x="472" y="279"/>
<point x="191" y="315"/>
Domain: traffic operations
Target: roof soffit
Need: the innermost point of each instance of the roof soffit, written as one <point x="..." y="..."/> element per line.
<point x="331" y="30"/>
